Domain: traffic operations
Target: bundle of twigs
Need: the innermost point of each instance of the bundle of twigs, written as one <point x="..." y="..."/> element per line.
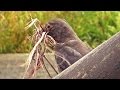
<point x="41" y="42"/>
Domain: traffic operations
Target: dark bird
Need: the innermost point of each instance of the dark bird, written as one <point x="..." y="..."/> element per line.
<point x="69" y="47"/>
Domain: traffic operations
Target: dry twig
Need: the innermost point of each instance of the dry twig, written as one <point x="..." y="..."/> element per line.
<point x="37" y="56"/>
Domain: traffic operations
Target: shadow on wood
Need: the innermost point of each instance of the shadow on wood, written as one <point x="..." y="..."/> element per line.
<point x="102" y="62"/>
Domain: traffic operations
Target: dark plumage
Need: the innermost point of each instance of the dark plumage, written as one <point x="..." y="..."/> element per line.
<point x="68" y="46"/>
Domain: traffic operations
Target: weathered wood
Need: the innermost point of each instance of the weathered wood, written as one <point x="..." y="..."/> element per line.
<point x="102" y="62"/>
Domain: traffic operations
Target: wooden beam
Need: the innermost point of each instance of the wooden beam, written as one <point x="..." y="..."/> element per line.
<point x="102" y="62"/>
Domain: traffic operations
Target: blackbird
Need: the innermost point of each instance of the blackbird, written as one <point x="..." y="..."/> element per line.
<point x="69" y="48"/>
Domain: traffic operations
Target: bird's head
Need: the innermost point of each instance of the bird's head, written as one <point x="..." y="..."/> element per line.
<point x="59" y="30"/>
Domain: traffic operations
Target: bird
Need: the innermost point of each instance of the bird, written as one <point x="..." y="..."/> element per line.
<point x="69" y="48"/>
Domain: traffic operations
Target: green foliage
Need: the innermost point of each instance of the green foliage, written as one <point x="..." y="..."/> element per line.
<point x="93" y="27"/>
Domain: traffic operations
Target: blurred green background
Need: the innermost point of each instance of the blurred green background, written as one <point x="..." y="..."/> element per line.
<point x="93" y="27"/>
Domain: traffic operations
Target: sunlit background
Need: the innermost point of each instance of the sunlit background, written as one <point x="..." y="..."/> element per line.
<point x="93" y="27"/>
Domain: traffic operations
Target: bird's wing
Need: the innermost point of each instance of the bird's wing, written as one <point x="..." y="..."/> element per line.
<point x="65" y="56"/>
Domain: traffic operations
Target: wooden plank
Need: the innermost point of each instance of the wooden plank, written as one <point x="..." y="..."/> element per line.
<point x="102" y="62"/>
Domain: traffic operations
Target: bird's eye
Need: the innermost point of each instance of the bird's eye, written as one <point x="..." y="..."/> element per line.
<point x="48" y="26"/>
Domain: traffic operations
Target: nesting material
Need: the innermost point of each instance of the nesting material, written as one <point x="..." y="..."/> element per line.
<point x="42" y="42"/>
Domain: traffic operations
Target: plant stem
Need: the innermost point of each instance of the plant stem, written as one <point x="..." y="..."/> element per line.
<point x="50" y="64"/>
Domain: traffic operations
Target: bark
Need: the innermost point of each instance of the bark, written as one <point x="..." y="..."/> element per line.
<point x="102" y="62"/>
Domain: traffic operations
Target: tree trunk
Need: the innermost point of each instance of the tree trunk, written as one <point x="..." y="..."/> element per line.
<point x="102" y="62"/>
